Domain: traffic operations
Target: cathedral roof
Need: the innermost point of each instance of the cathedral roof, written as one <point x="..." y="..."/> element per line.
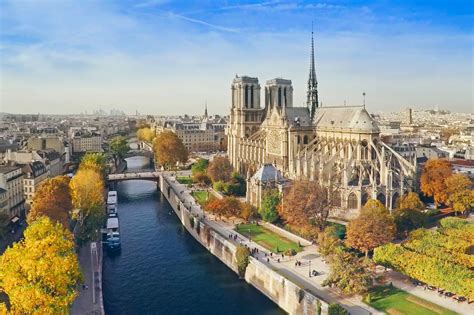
<point x="267" y="173"/>
<point x="355" y="118"/>
<point x="298" y="116"/>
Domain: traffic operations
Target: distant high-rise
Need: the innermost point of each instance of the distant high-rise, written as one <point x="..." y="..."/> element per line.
<point x="408" y="116"/>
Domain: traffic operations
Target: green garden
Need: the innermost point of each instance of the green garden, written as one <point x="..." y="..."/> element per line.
<point x="395" y="301"/>
<point x="202" y="196"/>
<point x="267" y="238"/>
<point x="185" y="180"/>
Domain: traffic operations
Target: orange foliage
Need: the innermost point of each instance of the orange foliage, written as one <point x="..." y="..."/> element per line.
<point x="433" y="180"/>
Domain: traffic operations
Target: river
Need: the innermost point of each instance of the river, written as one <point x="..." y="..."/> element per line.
<point x="161" y="269"/>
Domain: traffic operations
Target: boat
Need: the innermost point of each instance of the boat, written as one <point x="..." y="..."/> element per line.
<point x="112" y="236"/>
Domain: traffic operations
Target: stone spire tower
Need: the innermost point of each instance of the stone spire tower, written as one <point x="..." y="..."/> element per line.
<point x="312" y="94"/>
<point x="205" y="110"/>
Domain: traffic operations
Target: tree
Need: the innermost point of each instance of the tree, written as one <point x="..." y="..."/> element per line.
<point x="408" y="219"/>
<point x="94" y="161"/>
<point x="201" y="178"/>
<point x="328" y="242"/>
<point x="40" y="274"/>
<point x="460" y="196"/>
<point x="247" y="211"/>
<point x="373" y="227"/>
<point x="53" y="199"/>
<point x="220" y="169"/>
<point x="349" y="273"/>
<point x="269" y="209"/>
<point x="119" y="147"/>
<point x="200" y="166"/>
<point x="242" y="257"/>
<point x="145" y="134"/>
<point x="169" y="149"/>
<point x="87" y="188"/>
<point x="308" y="201"/>
<point x="433" y="180"/>
<point x="411" y="201"/>
<point x="336" y="309"/>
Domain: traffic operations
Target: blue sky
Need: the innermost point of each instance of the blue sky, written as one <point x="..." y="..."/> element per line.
<point x="166" y="57"/>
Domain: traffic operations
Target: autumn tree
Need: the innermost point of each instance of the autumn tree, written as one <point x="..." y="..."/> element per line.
<point x="411" y="201"/>
<point x="247" y="211"/>
<point x="40" y="274"/>
<point x="94" y="161"/>
<point x="349" y="273"/>
<point x="201" y="178"/>
<point x="220" y="169"/>
<point x="87" y="189"/>
<point x="308" y="201"/>
<point x="200" y="166"/>
<point x="373" y="227"/>
<point x="53" y="199"/>
<point x="269" y="208"/>
<point x="460" y="195"/>
<point x="118" y="147"/>
<point x="328" y="241"/>
<point x="146" y="134"/>
<point x="228" y="207"/>
<point x="433" y="180"/>
<point x="169" y="149"/>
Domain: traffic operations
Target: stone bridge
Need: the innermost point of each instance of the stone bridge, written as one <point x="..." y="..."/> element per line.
<point x="145" y="175"/>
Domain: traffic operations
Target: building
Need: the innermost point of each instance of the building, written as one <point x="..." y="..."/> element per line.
<point x="35" y="174"/>
<point x="264" y="180"/>
<point x="86" y="141"/>
<point x="4" y="202"/>
<point x="46" y="142"/>
<point x="336" y="145"/>
<point x="11" y="180"/>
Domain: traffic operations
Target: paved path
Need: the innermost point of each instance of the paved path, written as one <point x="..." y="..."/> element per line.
<point x="286" y="265"/>
<point x="89" y="300"/>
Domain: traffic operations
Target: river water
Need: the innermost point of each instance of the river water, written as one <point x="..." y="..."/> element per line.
<point x="161" y="269"/>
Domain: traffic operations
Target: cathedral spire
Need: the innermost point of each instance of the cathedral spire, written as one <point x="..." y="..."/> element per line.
<point x="312" y="94"/>
<point x="205" y="110"/>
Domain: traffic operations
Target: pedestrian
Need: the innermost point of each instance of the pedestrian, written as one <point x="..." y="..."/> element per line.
<point x="278" y="259"/>
<point x="268" y="260"/>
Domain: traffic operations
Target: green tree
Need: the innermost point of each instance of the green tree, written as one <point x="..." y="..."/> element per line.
<point x="328" y="242"/>
<point x="336" y="309"/>
<point x="40" y="274"/>
<point x="349" y="273"/>
<point x="408" y="219"/>
<point x="169" y="150"/>
<point x="460" y="196"/>
<point x="373" y="227"/>
<point x="94" y="161"/>
<point x="269" y="209"/>
<point x="200" y="166"/>
<point x="118" y="147"/>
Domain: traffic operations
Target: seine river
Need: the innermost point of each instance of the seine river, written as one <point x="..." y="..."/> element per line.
<point x="161" y="268"/>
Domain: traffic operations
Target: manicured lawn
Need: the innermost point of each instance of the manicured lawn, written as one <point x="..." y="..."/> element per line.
<point x="396" y="301"/>
<point x="267" y="238"/>
<point x="185" y="180"/>
<point x="201" y="196"/>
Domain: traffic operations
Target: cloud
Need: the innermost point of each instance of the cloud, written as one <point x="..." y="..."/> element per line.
<point x="201" y="22"/>
<point x="150" y="3"/>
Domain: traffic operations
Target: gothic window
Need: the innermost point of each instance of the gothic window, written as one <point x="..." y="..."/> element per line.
<point x="352" y="201"/>
<point x="394" y="200"/>
<point x="246" y="101"/>
<point x="381" y="198"/>
<point x="305" y="140"/>
<point x="364" y="199"/>
<point x="251" y="96"/>
<point x="298" y="139"/>
<point x="279" y="96"/>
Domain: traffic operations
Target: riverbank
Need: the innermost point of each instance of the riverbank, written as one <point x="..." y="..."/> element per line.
<point x="289" y="294"/>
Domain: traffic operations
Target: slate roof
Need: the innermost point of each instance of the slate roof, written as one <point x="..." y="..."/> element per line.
<point x="267" y="173"/>
<point x="298" y="116"/>
<point x="347" y="117"/>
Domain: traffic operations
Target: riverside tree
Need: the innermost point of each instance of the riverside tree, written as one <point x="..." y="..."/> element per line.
<point x="146" y="134"/>
<point x="118" y="147"/>
<point x="373" y="227"/>
<point x="40" y="274"/>
<point x="94" y="161"/>
<point x="169" y="149"/>
<point x="53" y="199"/>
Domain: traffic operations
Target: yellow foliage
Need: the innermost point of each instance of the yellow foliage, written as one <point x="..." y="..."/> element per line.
<point x="87" y="189"/>
<point x="460" y="194"/>
<point x="146" y="134"/>
<point x="40" y="274"/>
<point x="433" y="179"/>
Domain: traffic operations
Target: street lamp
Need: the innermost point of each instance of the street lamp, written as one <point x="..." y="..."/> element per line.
<point x="309" y="269"/>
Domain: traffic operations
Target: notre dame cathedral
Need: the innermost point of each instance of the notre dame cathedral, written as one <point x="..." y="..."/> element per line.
<point x="335" y="145"/>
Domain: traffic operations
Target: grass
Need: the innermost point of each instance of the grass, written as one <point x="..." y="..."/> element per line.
<point x="395" y="301"/>
<point x="201" y="196"/>
<point x="267" y="238"/>
<point x="185" y="180"/>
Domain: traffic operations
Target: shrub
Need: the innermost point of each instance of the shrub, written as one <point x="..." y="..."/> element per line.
<point x="290" y="252"/>
<point x="191" y="222"/>
<point x="242" y="256"/>
<point x="452" y="223"/>
<point x="336" y="309"/>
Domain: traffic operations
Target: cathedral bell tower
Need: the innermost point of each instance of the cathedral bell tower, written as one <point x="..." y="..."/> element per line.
<point x="245" y="116"/>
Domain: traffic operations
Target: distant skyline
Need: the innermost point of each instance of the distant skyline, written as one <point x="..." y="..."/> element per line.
<point x="162" y="57"/>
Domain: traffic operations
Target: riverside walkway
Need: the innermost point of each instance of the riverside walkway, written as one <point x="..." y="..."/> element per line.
<point x="285" y="267"/>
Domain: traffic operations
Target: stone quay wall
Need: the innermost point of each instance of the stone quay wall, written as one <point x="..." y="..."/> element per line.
<point x="287" y="294"/>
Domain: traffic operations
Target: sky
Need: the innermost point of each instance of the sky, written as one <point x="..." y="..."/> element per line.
<point x="172" y="57"/>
